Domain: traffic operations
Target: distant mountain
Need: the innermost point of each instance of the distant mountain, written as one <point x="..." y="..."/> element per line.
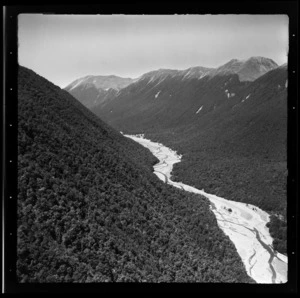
<point x="232" y="132"/>
<point x="247" y="70"/>
<point x="197" y="72"/>
<point x="168" y="98"/>
<point x="90" y="208"/>
<point x="159" y="75"/>
<point x="93" y="90"/>
<point x="101" y="82"/>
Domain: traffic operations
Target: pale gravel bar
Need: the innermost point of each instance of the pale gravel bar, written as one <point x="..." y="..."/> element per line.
<point x="245" y="224"/>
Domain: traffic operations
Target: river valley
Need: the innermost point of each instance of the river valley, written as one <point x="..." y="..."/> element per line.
<point x="244" y="224"/>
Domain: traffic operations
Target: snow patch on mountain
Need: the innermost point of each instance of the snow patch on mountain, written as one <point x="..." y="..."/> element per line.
<point x="197" y="72"/>
<point x="151" y="80"/>
<point x="246" y="97"/>
<point x="77" y="83"/>
<point x="228" y="94"/>
<point x="159" y="81"/>
<point x="187" y="74"/>
<point x="156" y="95"/>
<point x="199" y="109"/>
<point x="159" y="74"/>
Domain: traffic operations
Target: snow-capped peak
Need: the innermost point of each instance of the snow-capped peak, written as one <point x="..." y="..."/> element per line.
<point x="199" y="109"/>
<point x="247" y="69"/>
<point x="101" y="82"/>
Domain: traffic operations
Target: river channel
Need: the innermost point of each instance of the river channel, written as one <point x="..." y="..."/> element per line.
<point x="244" y="224"/>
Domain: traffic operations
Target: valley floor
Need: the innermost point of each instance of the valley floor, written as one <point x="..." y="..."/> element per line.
<point x="244" y="224"/>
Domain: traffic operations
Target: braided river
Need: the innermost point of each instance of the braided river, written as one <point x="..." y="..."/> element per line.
<point x="244" y="224"/>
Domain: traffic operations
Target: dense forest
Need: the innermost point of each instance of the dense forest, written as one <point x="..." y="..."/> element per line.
<point x="242" y="156"/>
<point x="278" y="230"/>
<point x="90" y="209"/>
<point x="234" y="147"/>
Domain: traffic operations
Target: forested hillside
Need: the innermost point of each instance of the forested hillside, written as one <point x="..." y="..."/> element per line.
<point x="90" y="209"/>
<point x="232" y="134"/>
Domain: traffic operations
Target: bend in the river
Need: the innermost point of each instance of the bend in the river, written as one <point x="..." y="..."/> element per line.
<point x="245" y="224"/>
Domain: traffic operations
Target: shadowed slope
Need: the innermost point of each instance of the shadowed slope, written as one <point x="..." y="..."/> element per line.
<point x="90" y="209"/>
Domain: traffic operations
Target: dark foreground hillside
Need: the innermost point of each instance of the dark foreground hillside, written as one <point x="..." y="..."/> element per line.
<point x="90" y="209"/>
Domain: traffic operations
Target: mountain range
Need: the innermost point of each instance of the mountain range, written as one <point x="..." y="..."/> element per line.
<point x="229" y="123"/>
<point x="96" y="90"/>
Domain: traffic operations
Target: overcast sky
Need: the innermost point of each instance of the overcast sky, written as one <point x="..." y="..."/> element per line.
<point x="63" y="48"/>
